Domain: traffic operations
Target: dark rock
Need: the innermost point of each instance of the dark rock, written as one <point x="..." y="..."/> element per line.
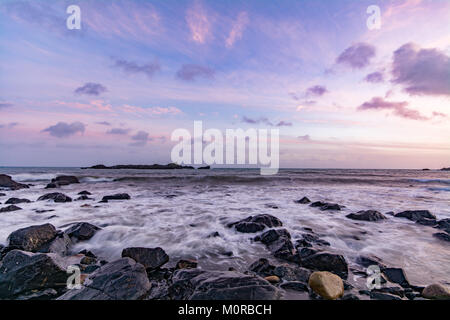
<point x="46" y="294"/>
<point x="303" y="200"/>
<point x="65" y="180"/>
<point x="59" y="245"/>
<point x="186" y="264"/>
<point x="2" y="194"/>
<point x="10" y="208"/>
<point x="295" y="286"/>
<point x="204" y="168"/>
<point x="56" y="197"/>
<point x="84" y="193"/>
<point x="306" y="252"/>
<point x="51" y="185"/>
<point x="169" y="166"/>
<point x="87" y="253"/>
<point x="32" y="238"/>
<point x="282" y="249"/>
<point x="262" y="267"/>
<point x="214" y="235"/>
<point x="118" y="196"/>
<point x="331" y="207"/>
<point x="88" y="260"/>
<point x="311" y="238"/>
<point x="397" y="291"/>
<point x="292" y="273"/>
<point x="123" y="279"/>
<point x="427" y="222"/>
<point x="368" y="215"/>
<point x="17" y="201"/>
<point x="317" y="204"/>
<point x="324" y="261"/>
<point x="256" y="223"/>
<point x="370" y="260"/>
<point x="272" y="235"/>
<point x="83" y="198"/>
<point x="444" y="224"/>
<point x="445" y="169"/>
<point x="82" y="231"/>
<point x="415" y="215"/>
<point x="396" y="275"/>
<point x="24" y="272"/>
<point x="192" y="284"/>
<point x="383" y="296"/>
<point x="8" y="183"/>
<point x="150" y="258"/>
<point x="271" y="206"/>
<point x="442" y="236"/>
<point x="350" y="296"/>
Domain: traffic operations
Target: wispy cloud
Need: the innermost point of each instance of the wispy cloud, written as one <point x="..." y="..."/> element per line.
<point x="237" y="29"/>
<point x="151" y="111"/>
<point x="265" y="121"/>
<point x="191" y="72"/>
<point x="374" y="77"/>
<point x="130" y="67"/>
<point x="198" y="22"/>
<point x="316" y="91"/>
<point x="118" y="131"/>
<point x="357" y="56"/>
<point x="104" y="123"/>
<point x="5" y="105"/>
<point x="91" y="89"/>
<point x="64" y="130"/>
<point x="399" y="108"/>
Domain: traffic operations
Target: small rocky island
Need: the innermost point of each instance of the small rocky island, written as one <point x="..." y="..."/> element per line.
<point x="170" y="166"/>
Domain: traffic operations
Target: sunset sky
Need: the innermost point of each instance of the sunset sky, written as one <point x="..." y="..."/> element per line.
<point x="343" y="96"/>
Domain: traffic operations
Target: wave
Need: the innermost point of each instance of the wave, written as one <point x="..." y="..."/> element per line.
<point x="432" y="181"/>
<point x="96" y="179"/>
<point x="33" y="177"/>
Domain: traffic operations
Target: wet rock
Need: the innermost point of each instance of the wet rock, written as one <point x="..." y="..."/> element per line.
<point x="324" y="261"/>
<point x="350" y="296"/>
<point x="8" y="183"/>
<point x="442" y="236"/>
<point x="186" y="264"/>
<point x="308" y="239"/>
<point x="56" y="197"/>
<point x="427" y="222"/>
<point x="118" y="196"/>
<point x="32" y="238"/>
<point x="82" y="231"/>
<point x="415" y="215"/>
<point x="59" y="245"/>
<point x="47" y="294"/>
<point x="327" y="285"/>
<point x="272" y="279"/>
<point x="51" y="185"/>
<point x="436" y="291"/>
<point x="214" y="235"/>
<point x="84" y="193"/>
<point x="65" y="180"/>
<point x="83" y="198"/>
<point x="262" y="267"/>
<point x="272" y="235"/>
<point x="330" y="207"/>
<point x="23" y="273"/>
<point x="150" y="258"/>
<point x="370" y="260"/>
<point x="295" y="286"/>
<point x="123" y="279"/>
<point x="306" y="252"/>
<point x="303" y="200"/>
<point x="396" y="275"/>
<point x="2" y="194"/>
<point x="17" y="201"/>
<point x="256" y="223"/>
<point x="10" y="208"/>
<point x="397" y="291"/>
<point x="292" y="273"/>
<point x="193" y="284"/>
<point x="367" y="215"/>
<point x="444" y="224"/>
<point x="383" y="296"/>
<point x="282" y="249"/>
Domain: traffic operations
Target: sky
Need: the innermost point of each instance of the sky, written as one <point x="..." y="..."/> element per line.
<point x="343" y="95"/>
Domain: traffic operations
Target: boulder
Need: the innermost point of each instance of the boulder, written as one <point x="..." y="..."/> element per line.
<point x="10" y="208"/>
<point x="256" y="223"/>
<point x="64" y="180"/>
<point x="262" y="267"/>
<point x="123" y="279"/>
<point x="31" y="238"/>
<point x="427" y="222"/>
<point x="325" y="206"/>
<point x="295" y="286"/>
<point x="272" y="279"/>
<point x="436" y="291"/>
<point x="442" y="236"/>
<point x="415" y="215"/>
<point x="59" y="245"/>
<point x="303" y="200"/>
<point x="83" y="198"/>
<point x="186" y="264"/>
<point x="150" y="258"/>
<point x="56" y="197"/>
<point x="118" y="196"/>
<point x="84" y="193"/>
<point x="367" y="215"/>
<point x="17" y="201"/>
<point x="24" y="272"/>
<point x="292" y="273"/>
<point x="325" y="261"/>
<point x="326" y="284"/>
<point x="272" y="235"/>
<point x="82" y="231"/>
<point x="383" y="296"/>
<point x="370" y="260"/>
<point x="7" y="182"/>
<point x="194" y="284"/>
<point x="444" y="224"/>
<point x="396" y="275"/>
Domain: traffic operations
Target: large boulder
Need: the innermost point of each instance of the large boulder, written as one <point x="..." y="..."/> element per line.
<point x="62" y="181"/>
<point x="194" y="284"/>
<point x="325" y="261"/>
<point x="256" y="223"/>
<point x="81" y="231"/>
<point x="436" y="291"/>
<point x="7" y="182"/>
<point x="396" y="275"/>
<point x="123" y="279"/>
<point x="303" y="200"/>
<point x="24" y="272"/>
<point x="272" y="235"/>
<point x="325" y="206"/>
<point x="17" y="201"/>
<point x="415" y="215"/>
<point x="10" y="208"/>
<point x="56" y="197"/>
<point x="150" y="258"/>
<point x="32" y="238"/>
<point x="292" y="273"/>
<point x="367" y="215"/>
<point x="118" y="196"/>
<point x="326" y="284"/>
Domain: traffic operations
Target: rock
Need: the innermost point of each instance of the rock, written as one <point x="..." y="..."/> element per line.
<point x="17" y="201"/>
<point x="415" y="215"/>
<point x="303" y="200"/>
<point x="325" y="206"/>
<point x="204" y="168"/>
<point x="445" y="169"/>
<point x="10" y="208"/>
<point x="150" y="258"/>
<point x="427" y="222"/>
<point x="47" y="294"/>
<point x="186" y="264"/>
<point x="371" y="260"/>
<point x="59" y="245"/>
<point x="368" y="215"/>
<point x="436" y="291"/>
<point x="56" y="197"/>
<point x="83" y="198"/>
<point x="118" y="196"/>
<point x="292" y="273"/>
<point x="326" y="284"/>
<point x="272" y="279"/>
<point x="383" y="296"/>
<point x="51" y="185"/>
<point x="84" y="193"/>
<point x="65" y="180"/>
<point x="324" y="261"/>
<point x="308" y="239"/>
<point x="282" y="249"/>
<point x="256" y="223"/>
<point x="350" y="296"/>
<point x="442" y="236"/>
<point x="194" y="284"/>
<point x="8" y="183"/>
<point x="306" y="252"/>
<point x="397" y="291"/>
<point x="32" y="238"/>
<point x="82" y="231"/>
<point x="2" y="194"/>
<point x="262" y="267"/>
<point x="295" y="286"/>
<point x="272" y="235"/>
<point x="24" y="272"/>
<point x="123" y="279"/>
<point x="396" y="275"/>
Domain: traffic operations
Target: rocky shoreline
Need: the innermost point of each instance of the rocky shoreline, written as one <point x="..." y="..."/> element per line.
<point x="35" y="261"/>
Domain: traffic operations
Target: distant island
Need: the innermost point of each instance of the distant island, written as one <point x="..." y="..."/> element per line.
<point x="170" y="166"/>
<point x="446" y="169"/>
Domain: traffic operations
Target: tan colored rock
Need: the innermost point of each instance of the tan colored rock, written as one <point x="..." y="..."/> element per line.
<point x="326" y="284"/>
<point x="436" y="291"/>
<point x="272" y="279"/>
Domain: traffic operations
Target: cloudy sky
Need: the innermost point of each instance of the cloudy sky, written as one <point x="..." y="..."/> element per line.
<point x="343" y="96"/>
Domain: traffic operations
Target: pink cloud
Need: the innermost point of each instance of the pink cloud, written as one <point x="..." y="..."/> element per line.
<point x="198" y="22"/>
<point x="237" y="30"/>
<point x="153" y="111"/>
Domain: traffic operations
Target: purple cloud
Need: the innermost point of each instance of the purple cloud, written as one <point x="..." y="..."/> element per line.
<point x="141" y="138"/>
<point x="91" y="89"/>
<point x="317" y="91"/>
<point x="63" y="129"/>
<point x="375" y="77"/>
<point x="265" y="121"/>
<point x="132" y="68"/>
<point x="5" y="105"/>
<point x="421" y="71"/>
<point x="284" y="124"/>
<point x="357" y="56"/>
<point x="104" y="123"/>
<point x="190" y="72"/>
<point x="118" y="131"/>
<point x="399" y="108"/>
